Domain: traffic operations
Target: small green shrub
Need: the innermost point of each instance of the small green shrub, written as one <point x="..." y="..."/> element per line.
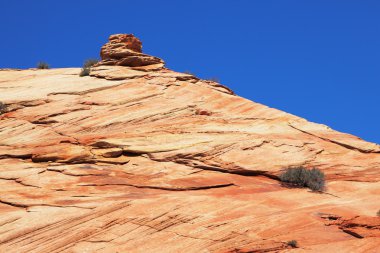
<point x="89" y="63"/>
<point x="302" y="177"/>
<point x="316" y="180"/>
<point x="43" y="65"/>
<point x="3" y="107"/>
<point x="85" y="72"/>
<point x="292" y="243"/>
<point x="86" y="69"/>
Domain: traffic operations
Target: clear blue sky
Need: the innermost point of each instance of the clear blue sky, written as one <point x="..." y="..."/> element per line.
<point x="316" y="59"/>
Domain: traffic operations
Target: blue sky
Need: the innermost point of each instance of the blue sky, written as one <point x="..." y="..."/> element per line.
<point x="316" y="59"/>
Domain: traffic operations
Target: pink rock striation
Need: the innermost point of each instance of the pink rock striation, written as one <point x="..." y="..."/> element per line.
<point x="145" y="159"/>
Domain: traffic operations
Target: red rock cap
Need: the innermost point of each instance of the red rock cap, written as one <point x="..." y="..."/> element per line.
<point x="125" y="50"/>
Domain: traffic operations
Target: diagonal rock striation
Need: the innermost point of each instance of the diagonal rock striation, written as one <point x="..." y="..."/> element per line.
<point x="140" y="158"/>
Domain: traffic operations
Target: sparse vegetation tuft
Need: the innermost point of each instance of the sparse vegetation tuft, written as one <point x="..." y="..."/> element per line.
<point x="85" y="72"/>
<point x="86" y="69"/>
<point x="214" y="79"/>
<point x="293" y="243"/>
<point x="378" y="213"/>
<point x="3" y="107"/>
<point x="43" y="65"/>
<point x="314" y="179"/>
<point x="89" y="63"/>
<point x="189" y="72"/>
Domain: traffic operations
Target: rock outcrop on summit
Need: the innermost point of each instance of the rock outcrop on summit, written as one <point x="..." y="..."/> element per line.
<point x="140" y="158"/>
<point x="126" y="50"/>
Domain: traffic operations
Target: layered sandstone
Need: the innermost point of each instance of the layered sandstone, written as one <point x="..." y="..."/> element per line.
<point x="145" y="159"/>
<point x="126" y="50"/>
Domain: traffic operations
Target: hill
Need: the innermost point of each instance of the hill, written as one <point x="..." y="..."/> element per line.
<point x="139" y="158"/>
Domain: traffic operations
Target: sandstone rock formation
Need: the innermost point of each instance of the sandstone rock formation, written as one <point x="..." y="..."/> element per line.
<point x="151" y="160"/>
<point x="126" y="50"/>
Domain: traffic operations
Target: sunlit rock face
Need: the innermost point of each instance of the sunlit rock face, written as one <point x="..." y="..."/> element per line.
<point x="139" y="158"/>
<point x="126" y="50"/>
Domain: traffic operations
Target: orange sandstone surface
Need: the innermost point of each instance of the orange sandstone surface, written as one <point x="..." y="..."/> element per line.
<point x="140" y="158"/>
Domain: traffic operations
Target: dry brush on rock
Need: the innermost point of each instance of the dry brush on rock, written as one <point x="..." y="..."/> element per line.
<point x="313" y="179"/>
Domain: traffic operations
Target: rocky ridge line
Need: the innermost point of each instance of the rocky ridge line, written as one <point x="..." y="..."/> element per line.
<point x="139" y="158"/>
